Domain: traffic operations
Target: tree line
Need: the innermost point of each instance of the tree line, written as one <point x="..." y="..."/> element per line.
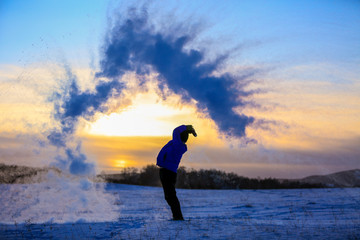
<point x="201" y="179"/>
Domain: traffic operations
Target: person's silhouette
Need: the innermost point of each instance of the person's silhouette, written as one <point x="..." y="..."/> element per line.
<point x="168" y="160"/>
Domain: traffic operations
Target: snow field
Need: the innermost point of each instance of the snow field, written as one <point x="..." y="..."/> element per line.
<point x="83" y="210"/>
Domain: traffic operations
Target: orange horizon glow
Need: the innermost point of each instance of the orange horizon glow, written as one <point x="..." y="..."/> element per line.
<point x="132" y="134"/>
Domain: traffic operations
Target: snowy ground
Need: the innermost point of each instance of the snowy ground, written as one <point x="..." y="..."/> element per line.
<point x="87" y="211"/>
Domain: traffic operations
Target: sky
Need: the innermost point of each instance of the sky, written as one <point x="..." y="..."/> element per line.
<point x="271" y="87"/>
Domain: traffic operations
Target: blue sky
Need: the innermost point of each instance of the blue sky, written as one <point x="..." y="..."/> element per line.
<point x="41" y="28"/>
<point x="285" y="31"/>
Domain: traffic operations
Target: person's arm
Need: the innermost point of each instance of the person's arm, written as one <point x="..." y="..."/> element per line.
<point x="190" y="129"/>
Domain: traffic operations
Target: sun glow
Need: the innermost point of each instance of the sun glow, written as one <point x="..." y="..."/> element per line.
<point x="132" y="136"/>
<point x="147" y="116"/>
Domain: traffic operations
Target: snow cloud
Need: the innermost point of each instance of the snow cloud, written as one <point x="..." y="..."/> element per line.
<point x="133" y="44"/>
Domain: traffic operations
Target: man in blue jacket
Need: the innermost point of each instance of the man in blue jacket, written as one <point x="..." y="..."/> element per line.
<point x="168" y="160"/>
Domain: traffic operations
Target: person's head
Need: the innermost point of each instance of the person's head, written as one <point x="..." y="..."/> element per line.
<point x="184" y="136"/>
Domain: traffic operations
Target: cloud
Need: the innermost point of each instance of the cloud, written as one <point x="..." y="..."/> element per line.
<point x="133" y="44"/>
<point x="69" y="105"/>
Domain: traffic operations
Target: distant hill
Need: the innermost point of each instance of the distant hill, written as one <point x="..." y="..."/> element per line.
<point x="350" y="178"/>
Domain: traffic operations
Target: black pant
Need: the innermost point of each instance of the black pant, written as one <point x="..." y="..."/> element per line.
<point x="168" y="181"/>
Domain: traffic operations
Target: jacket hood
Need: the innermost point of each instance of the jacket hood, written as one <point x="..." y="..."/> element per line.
<point x="176" y="133"/>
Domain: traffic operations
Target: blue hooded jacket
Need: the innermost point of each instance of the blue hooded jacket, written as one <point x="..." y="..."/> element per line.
<point x="170" y="155"/>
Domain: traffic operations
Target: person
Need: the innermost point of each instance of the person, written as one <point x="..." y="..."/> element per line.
<point x="168" y="160"/>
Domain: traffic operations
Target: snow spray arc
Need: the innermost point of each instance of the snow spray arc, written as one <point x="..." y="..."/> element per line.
<point x="133" y="45"/>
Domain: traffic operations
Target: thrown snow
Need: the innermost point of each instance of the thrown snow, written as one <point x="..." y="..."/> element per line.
<point x="60" y="199"/>
<point x="220" y="214"/>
